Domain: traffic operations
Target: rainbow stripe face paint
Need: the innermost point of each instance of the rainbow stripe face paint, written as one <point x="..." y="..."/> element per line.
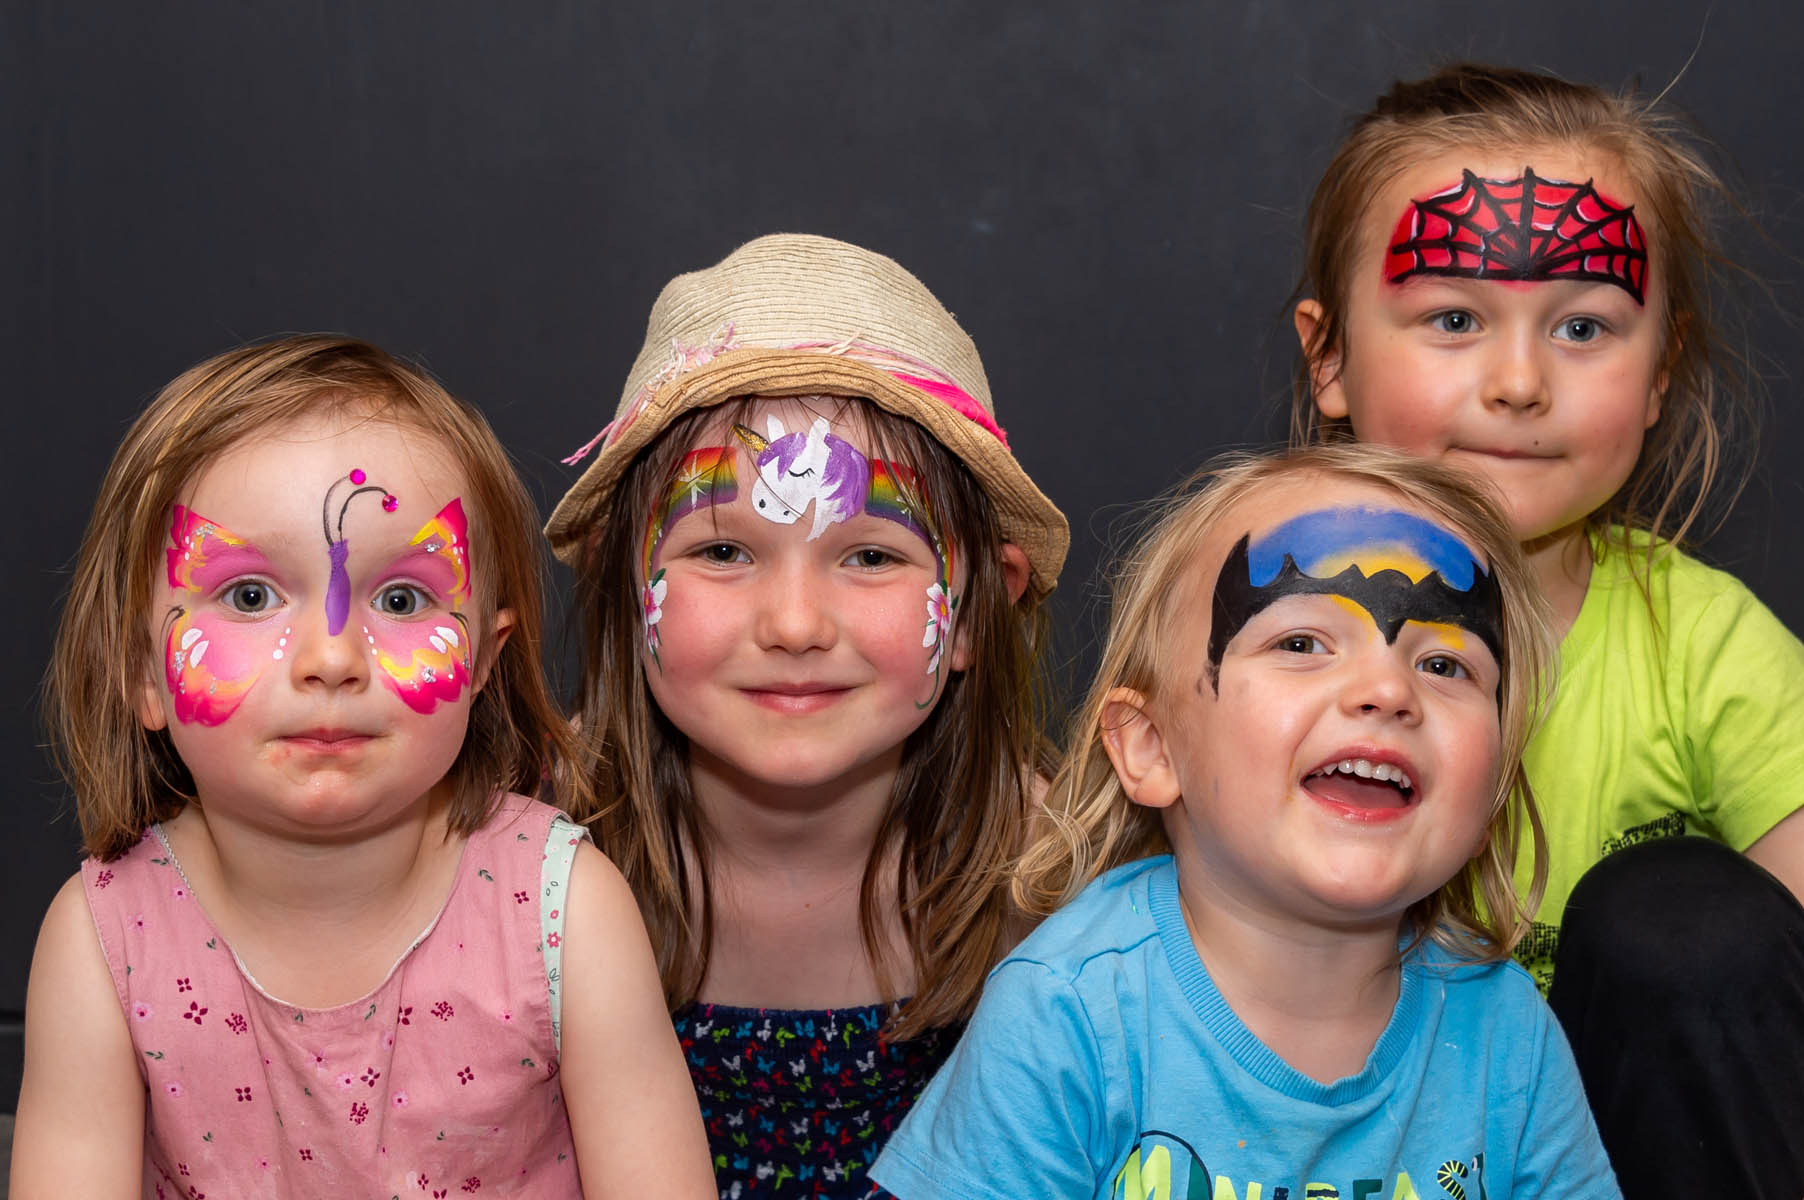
<point x="896" y="495"/>
<point x="1528" y="229"/>
<point x="792" y="473"/>
<point x="211" y="661"/>
<point x="1396" y="566"/>
<point x="703" y="479"/>
<point x="427" y="661"/>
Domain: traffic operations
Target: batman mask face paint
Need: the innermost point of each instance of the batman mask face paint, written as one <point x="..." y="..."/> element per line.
<point x="1396" y="566"/>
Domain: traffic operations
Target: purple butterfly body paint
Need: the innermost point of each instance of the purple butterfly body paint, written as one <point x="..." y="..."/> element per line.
<point x="338" y="588"/>
<point x="338" y="581"/>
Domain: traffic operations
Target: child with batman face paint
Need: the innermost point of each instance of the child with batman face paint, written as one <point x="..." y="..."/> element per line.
<point x="1280" y="850"/>
<point x="1517" y="275"/>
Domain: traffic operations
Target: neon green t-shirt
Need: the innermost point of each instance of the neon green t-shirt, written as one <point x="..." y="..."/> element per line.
<point x="1680" y="716"/>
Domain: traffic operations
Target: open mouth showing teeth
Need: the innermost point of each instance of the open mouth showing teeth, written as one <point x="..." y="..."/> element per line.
<point x="1361" y="783"/>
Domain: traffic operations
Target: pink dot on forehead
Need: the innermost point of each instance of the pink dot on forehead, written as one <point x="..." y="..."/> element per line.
<point x="389" y="503"/>
<point x="357" y="475"/>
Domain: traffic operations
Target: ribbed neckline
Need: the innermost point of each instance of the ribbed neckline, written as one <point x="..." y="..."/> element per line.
<point x="1252" y="1055"/>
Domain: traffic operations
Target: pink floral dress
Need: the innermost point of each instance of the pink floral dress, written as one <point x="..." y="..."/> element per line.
<point x="440" y="1083"/>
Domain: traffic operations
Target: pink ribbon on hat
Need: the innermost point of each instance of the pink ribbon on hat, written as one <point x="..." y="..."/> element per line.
<point x="685" y="358"/>
<point x="958" y="400"/>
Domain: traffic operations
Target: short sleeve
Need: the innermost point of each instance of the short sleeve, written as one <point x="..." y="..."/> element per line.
<point x="1017" y="1109"/>
<point x="1742" y="691"/>
<point x="1560" y="1154"/>
<point x="554" y="882"/>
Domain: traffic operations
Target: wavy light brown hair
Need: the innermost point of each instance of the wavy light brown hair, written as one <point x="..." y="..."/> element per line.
<point x="126" y="776"/>
<point x="1090" y="825"/>
<point x="955" y="819"/>
<point x="1710" y="407"/>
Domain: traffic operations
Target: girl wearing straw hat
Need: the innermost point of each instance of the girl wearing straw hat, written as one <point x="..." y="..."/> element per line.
<point x="810" y="577"/>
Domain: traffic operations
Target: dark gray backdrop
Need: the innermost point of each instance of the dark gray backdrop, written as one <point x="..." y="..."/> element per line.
<point x="1106" y="194"/>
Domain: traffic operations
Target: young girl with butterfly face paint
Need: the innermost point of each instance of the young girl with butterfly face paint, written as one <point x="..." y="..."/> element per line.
<point x="810" y="574"/>
<point x="320" y="947"/>
<point x="1512" y="273"/>
<point x="1279" y="851"/>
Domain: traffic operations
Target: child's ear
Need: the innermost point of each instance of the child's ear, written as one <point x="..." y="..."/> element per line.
<point x="504" y="625"/>
<point x="148" y="702"/>
<point x="1136" y="749"/>
<point x="1324" y="362"/>
<point x="1015" y="572"/>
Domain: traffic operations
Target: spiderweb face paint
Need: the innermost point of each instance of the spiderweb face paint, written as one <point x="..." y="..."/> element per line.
<point x="209" y="662"/>
<point x="1527" y="228"/>
<point x="704" y="478"/>
<point x="1398" y="567"/>
<point x="429" y="661"/>
<point x="338" y="584"/>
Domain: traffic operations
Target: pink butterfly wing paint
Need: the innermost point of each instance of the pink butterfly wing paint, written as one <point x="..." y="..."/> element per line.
<point x="201" y="697"/>
<point x="437" y="671"/>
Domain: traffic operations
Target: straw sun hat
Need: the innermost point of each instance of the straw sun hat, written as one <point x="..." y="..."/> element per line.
<point x="794" y="315"/>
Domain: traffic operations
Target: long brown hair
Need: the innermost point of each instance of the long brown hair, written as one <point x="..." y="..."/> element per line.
<point x="1090" y="825"/>
<point x="126" y="776"/>
<point x="1710" y="407"/>
<point x="955" y="818"/>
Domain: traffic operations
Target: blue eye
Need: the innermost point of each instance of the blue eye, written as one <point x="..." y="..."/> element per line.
<point x="1578" y="329"/>
<point x="250" y="597"/>
<point x="401" y="600"/>
<point x="1454" y="320"/>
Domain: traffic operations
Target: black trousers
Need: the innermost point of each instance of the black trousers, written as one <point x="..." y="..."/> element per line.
<point x="1680" y="982"/>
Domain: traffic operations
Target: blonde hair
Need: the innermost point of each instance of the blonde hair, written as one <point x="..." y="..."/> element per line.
<point x="956" y="817"/>
<point x="1710" y="403"/>
<point x="126" y="776"/>
<point x="1090" y="825"/>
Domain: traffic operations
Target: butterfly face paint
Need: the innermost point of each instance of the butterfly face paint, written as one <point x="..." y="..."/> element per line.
<point x="428" y="661"/>
<point x="1527" y="228"/>
<point x="704" y="478"/>
<point x="211" y="661"/>
<point x="1396" y="566"/>
<point x="338" y="585"/>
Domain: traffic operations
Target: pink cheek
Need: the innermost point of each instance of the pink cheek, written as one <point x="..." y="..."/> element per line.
<point x="891" y="631"/>
<point x="211" y="664"/>
<point x="236" y="653"/>
<point x="694" y="627"/>
<point x="424" y="662"/>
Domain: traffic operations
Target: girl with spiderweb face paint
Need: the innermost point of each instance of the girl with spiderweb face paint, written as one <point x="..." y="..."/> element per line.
<point x="1516" y="275"/>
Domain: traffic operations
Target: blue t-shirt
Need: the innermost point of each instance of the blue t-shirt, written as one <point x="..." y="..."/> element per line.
<point x="1103" y="1062"/>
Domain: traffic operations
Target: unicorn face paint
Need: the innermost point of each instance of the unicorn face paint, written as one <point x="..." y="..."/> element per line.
<point x="1329" y="707"/>
<point x="1516" y="329"/>
<point x="796" y="470"/>
<point x="789" y="627"/>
